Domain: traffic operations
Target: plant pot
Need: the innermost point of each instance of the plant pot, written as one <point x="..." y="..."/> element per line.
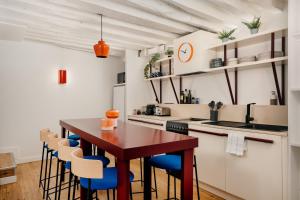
<point x="214" y="115"/>
<point x="225" y="39"/>
<point x="254" y="30"/>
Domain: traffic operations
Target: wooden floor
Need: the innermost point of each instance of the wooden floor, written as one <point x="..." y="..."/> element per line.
<point x="27" y="185"/>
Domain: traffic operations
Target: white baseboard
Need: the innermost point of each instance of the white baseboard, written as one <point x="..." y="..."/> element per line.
<point x="7" y="180"/>
<point x="28" y="159"/>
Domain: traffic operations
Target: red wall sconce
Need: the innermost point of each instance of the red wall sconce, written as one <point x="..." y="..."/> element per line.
<point x="62" y="76"/>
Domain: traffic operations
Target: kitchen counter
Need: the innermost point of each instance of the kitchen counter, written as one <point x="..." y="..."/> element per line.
<point x="200" y="124"/>
<point x="152" y="117"/>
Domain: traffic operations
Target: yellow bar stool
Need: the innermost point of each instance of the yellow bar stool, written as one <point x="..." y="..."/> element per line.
<point x="93" y="175"/>
<point x="43" y="137"/>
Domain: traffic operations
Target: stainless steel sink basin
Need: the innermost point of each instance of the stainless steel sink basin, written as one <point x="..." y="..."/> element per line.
<point x="263" y="127"/>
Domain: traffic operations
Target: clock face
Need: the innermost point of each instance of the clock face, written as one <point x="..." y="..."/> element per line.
<point x="185" y="52"/>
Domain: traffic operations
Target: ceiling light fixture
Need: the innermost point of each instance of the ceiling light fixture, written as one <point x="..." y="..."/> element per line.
<point x="101" y="48"/>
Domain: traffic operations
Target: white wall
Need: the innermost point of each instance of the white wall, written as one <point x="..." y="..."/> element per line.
<point x="138" y="91"/>
<point x="31" y="98"/>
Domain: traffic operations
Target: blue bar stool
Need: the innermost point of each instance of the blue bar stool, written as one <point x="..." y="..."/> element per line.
<point x="64" y="155"/>
<point x="172" y="164"/>
<point x="43" y="138"/>
<point x="52" y="148"/>
<point x="93" y="175"/>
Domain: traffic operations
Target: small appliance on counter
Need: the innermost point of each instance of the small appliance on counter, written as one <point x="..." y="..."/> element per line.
<point x="162" y="111"/>
<point x="150" y="109"/>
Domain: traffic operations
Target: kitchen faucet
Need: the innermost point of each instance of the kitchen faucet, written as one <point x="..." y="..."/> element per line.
<point x="248" y="115"/>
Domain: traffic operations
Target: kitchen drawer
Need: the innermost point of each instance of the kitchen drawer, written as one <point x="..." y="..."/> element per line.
<point x="156" y="124"/>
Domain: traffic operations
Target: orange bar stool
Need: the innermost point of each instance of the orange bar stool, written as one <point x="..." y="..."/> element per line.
<point x="93" y="175"/>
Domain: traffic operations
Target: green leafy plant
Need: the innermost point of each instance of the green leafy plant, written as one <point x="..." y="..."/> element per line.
<point x="146" y="71"/>
<point x="254" y="24"/>
<point x="169" y="52"/>
<point x="154" y="58"/>
<point x="151" y="63"/>
<point x="225" y="34"/>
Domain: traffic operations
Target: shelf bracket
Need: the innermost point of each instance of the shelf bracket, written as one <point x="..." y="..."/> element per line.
<point x="233" y="98"/>
<point x="280" y="93"/>
<point x="173" y="87"/>
<point x="156" y="97"/>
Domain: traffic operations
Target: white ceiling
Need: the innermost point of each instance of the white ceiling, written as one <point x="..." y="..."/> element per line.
<point x="127" y="24"/>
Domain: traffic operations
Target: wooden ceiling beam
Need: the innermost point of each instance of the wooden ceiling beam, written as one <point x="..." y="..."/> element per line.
<point x="138" y="16"/>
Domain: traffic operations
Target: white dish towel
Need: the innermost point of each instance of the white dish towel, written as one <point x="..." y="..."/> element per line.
<point x="236" y="144"/>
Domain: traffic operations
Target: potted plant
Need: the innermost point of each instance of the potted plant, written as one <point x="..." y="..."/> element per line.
<point x="253" y="25"/>
<point x="226" y="35"/>
<point x="169" y="52"/>
<point x="151" y="63"/>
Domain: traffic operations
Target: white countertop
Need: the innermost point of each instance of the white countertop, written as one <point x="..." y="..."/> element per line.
<point x="152" y="117"/>
<point x="200" y="124"/>
<point x="282" y="133"/>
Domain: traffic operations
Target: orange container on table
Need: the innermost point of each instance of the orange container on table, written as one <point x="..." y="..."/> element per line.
<point x="113" y="114"/>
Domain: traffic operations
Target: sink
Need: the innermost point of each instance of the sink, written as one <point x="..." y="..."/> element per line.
<point x="226" y="124"/>
<point x="263" y="127"/>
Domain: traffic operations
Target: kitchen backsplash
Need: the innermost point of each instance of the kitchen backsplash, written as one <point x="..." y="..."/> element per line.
<point x="266" y="114"/>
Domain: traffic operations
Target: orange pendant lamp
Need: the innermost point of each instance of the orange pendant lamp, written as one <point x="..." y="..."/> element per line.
<point x="101" y="48"/>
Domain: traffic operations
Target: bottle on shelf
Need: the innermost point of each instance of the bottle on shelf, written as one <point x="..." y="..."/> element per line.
<point x="185" y="96"/>
<point x="181" y="97"/>
<point x="273" y="98"/>
<point x="189" y="97"/>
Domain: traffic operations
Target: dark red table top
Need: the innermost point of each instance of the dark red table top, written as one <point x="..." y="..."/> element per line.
<point x="129" y="141"/>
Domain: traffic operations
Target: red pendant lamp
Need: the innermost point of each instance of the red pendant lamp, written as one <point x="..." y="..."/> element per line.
<point x="101" y="48"/>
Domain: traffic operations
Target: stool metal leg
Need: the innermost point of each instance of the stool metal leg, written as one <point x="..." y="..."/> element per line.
<point x="56" y="178"/>
<point x="107" y="193"/>
<point x="131" y="198"/>
<point x="59" y="189"/>
<point x="49" y="175"/>
<point x="70" y="181"/>
<point x="175" y="188"/>
<point x="45" y="175"/>
<point x="42" y="163"/>
<point x="89" y="192"/>
<point x="141" y="171"/>
<point x="74" y="188"/>
<point x="168" y="186"/>
<point x="114" y="193"/>
<point x="155" y="184"/>
<point x="196" y="174"/>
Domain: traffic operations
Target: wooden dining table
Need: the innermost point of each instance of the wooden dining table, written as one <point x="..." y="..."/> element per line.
<point x="127" y="142"/>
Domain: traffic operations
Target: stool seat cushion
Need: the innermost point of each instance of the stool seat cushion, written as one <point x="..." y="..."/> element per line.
<point x="104" y="160"/>
<point x="55" y="154"/>
<point x="74" y="137"/>
<point x="109" y="180"/>
<point x="167" y="162"/>
<point x="73" y="143"/>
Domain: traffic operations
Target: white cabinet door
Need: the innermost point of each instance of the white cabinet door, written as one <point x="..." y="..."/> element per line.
<point x="210" y="156"/>
<point x="258" y="174"/>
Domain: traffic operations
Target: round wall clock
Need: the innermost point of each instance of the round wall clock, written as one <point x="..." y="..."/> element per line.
<point x="185" y="52"/>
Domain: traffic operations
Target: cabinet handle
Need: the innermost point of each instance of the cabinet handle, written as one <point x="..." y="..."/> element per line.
<point x="209" y="133"/>
<point x="153" y="123"/>
<point x="226" y="135"/>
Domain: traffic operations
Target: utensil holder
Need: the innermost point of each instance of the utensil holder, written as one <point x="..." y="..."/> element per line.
<point x="214" y="115"/>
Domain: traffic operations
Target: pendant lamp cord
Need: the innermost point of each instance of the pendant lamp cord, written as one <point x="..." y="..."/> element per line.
<point x="101" y="26"/>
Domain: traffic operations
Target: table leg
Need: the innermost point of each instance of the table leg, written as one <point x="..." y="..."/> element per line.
<point x="147" y="179"/>
<point x="187" y="175"/>
<point x="87" y="150"/>
<point x="123" y="180"/>
<point x="62" y="167"/>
